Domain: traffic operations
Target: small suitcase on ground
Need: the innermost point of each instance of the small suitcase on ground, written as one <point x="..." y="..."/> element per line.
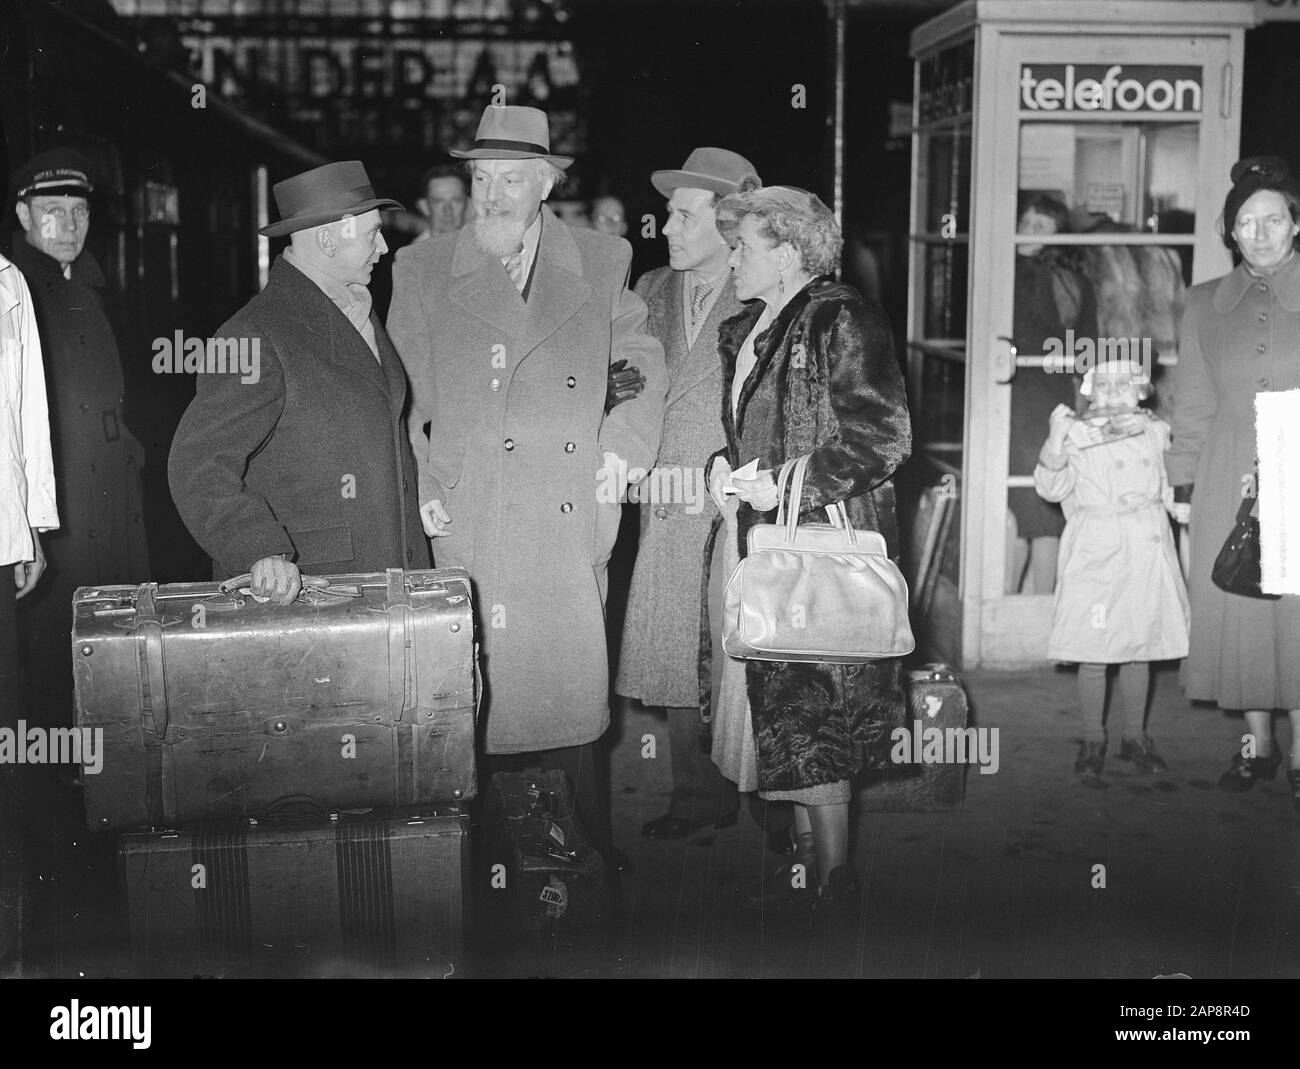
<point x="212" y="705"/>
<point x="545" y="909"/>
<point x="935" y="702"/>
<point x="353" y="897"/>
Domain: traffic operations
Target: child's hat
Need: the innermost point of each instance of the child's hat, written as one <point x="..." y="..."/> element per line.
<point x="1135" y="371"/>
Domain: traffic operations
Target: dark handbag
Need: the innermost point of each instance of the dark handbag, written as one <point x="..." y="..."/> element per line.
<point x="1236" y="568"/>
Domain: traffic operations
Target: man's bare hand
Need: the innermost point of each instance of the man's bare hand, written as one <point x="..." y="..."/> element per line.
<point x="275" y="578"/>
<point x="435" y="519"/>
<point x="28" y="573"/>
<point x="624" y="384"/>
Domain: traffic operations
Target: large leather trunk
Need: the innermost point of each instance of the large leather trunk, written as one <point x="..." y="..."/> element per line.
<point x="935" y="701"/>
<point x="545" y="913"/>
<point x="213" y="705"/>
<point x="350" y="897"/>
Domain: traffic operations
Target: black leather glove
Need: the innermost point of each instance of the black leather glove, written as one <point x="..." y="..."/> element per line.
<point x="624" y="384"/>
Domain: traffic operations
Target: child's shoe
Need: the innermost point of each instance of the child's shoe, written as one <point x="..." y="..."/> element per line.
<point x="1087" y="766"/>
<point x="1246" y="770"/>
<point x="1142" y="753"/>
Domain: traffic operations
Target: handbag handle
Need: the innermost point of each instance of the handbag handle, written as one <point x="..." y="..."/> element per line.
<point x="1246" y="507"/>
<point x="835" y="512"/>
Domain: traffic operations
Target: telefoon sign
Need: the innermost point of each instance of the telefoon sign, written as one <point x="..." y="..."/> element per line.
<point x="1096" y="87"/>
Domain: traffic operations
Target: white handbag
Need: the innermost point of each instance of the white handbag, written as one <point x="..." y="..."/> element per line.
<point x="815" y="591"/>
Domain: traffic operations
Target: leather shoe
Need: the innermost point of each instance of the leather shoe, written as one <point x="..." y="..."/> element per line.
<point x="1088" y="764"/>
<point x="1244" y="771"/>
<point x="671" y="827"/>
<point x="1142" y="752"/>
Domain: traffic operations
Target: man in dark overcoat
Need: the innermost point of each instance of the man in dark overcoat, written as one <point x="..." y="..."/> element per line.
<point x="508" y="330"/>
<point x="688" y="301"/>
<point x="97" y="460"/>
<point x="303" y="465"/>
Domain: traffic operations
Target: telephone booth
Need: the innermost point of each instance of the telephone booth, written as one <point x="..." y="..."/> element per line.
<point x="1069" y="165"/>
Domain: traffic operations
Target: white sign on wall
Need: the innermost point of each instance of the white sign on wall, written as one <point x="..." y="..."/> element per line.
<point x="1277" y="429"/>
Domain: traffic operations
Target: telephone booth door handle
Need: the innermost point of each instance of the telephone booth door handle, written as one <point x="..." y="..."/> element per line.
<point x="1011" y="354"/>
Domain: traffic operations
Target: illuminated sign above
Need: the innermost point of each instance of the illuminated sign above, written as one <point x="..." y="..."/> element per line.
<point x="1097" y="87"/>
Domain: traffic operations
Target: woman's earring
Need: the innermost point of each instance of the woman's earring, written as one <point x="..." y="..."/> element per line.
<point x="780" y="283"/>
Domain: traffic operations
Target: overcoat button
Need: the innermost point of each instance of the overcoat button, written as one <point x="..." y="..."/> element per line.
<point x="495" y="384"/>
<point x="1263" y="287"/>
<point x="1263" y="317"/>
<point x="566" y="508"/>
<point x="570" y="382"/>
<point x="569" y="447"/>
<point x="1261" y="348"/>
<point x="84" y="407"/>
<point x="509" y="444"/>
<point x="662" y="512"/>
<point x="1264" y="383"/>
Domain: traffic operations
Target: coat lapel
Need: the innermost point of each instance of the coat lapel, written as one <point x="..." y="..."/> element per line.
<point x="766" y="345"/>
<point x="701" y="362"/>
<point x="558" y="289"/>
<point x="391" y="365"/>
<point x="483" y="288"/>
<point x="342" y="344"/>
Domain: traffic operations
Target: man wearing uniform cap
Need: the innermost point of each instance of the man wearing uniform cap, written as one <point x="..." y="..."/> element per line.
<point x="688" y="301"/>
<point x="101" y="538"/>
<point x="305" y="468"/>
<point x="508" y="330"/>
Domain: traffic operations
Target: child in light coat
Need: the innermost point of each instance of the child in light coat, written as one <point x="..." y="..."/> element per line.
<point x="1120" y="598"/>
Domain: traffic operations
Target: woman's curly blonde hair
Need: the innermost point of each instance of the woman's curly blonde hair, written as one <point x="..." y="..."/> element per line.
<point x="786" y="215"/>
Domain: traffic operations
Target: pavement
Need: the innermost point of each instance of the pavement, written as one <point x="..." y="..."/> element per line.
<point x="1033" y="875"/>
<point x="1192" y="880"/>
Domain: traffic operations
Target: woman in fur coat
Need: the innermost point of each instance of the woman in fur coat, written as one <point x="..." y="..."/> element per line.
<point x="808" y="369"/>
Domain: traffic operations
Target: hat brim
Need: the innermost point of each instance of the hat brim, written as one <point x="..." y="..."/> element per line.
<point x="666" y="181"/>
<point x="562" y="162"/>
<point x="304" y="222"/>
<point x="66" y="189"/>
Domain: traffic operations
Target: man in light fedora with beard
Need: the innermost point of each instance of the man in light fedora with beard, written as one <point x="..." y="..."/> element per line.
<point x="508" y="330"/>
<point x="304" y="466"/>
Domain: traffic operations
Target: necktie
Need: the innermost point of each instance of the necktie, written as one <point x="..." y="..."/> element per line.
<point x="699" y="302"/>
<point x="515" y="269"/>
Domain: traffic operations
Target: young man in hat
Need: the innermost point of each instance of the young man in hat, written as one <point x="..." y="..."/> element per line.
<point x="101" y="538"/>
<point x="688" y="300"/>
<point x="304" y="467"/>
<point x="508" y="331"/>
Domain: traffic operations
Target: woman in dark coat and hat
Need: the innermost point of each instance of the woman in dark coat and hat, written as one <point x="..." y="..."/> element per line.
<point x="808" y="369"/>
<point x="1238" y="338"/>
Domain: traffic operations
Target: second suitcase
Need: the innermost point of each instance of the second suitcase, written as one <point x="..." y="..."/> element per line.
<point x="359" y="897"/>
<point x="935" y="701"/>
<point x="212" y="705"/>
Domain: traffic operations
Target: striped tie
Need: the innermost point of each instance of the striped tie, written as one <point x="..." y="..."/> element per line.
<point x="699" y="302"/>
<point x="515" y="269"/>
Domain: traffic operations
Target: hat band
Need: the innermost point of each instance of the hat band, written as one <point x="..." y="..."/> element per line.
<point x="513" y="146"/>
<point x="349" y="198"/>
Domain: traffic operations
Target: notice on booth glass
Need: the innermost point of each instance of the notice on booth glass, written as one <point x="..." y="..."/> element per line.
<point x="1277" y="432"/>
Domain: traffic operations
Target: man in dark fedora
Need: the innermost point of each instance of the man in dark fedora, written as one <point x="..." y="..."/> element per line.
<point x="688" y="300"/>
<point x="508" y="330"/>
<point x="97" y="459"/>
<point x="304" y="466"/>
